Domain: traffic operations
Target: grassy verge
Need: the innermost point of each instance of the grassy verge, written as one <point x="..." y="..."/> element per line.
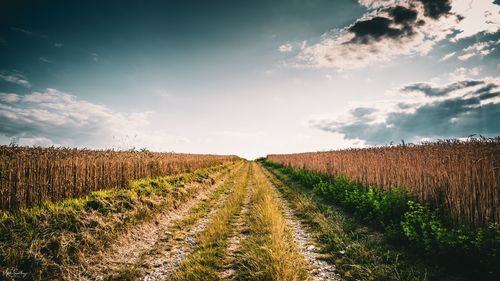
<point x="207" y="260"/>
<point x="405" y="223"/>
<point x="357" y="253"/>
<point x="269" y="252"/>
<point x="43" y="241"/>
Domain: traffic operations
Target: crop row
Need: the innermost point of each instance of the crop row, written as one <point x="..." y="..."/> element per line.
<point x="32" y="175"/>
<point x="461" y="178"/>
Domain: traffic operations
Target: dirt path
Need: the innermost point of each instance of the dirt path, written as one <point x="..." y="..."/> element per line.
<point x="127" y="251"/>
<point x="155" y="250"/>
<point x="320" y="269"/>
<point x="163" y="264"/>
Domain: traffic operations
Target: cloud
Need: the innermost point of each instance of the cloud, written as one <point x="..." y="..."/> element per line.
<point x="240" y="134"/>
<point x="431" y="90"/>
<point x="423" y="111"/>
<point x="377" y="3"/>
<point x="23" y="31"/>
<point x="15" y="77"/>
<point x="286" y="48"/>
<point x="45" y="60"/>
<point x="478" y="49"/>
<point x="448" y="56"/>
<point x="378" y="27"/>
<point x="463" y="73"/>
<point x="465" y="57"/>
<point x="303" y="44"/>
<point x="391" y="29"/>
<point x="37" y="35"/>
<point x="30" y="33"/>
<point x="8" y="97"/>
<point x="435" y="8"/>
<point x="62" y="119"/>
<point x="95" y="57"/>
<point x="477" y="16"/>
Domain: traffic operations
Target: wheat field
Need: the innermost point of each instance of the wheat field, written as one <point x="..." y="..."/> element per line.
<point x="32" y="175"/>
<point x="460" y="177"/>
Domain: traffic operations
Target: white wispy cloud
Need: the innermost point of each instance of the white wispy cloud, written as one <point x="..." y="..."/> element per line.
<point x="286" y="48"/>
<point x="377" y="3"/>
<point x="95" y="56"/>
<point x="463" y="73"/>
<point x="465" y="56"/>
<point x="478" y="49"/>
<point x="23" y="31"/>
<point x="448" y="56"/>
<point x="15" y="77"/>
<point x="63" y="119"/>
<point x="44" y="59"/>
<point x="37" y="34"/>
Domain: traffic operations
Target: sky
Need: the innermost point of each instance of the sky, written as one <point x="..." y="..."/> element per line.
<point x="248" y="78"/>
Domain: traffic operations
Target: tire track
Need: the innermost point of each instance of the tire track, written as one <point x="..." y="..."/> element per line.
<point x="123" y="255"/>
<point x="164" y="265"/>
<point x="240" y="230"/>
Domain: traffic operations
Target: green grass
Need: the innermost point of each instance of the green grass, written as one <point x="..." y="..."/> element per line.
<point x="406" y="222"/>
<point x="356" y="253"/>
<point x="43" y="241"/>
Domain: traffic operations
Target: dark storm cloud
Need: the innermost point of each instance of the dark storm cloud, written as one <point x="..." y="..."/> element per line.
<point x="402" y="15"/>
<point x="476" y="111"/>
<point x="432" y="91"/>
<point x="436" y="8"/>
<point x="376" y="28"/>
<point x="486" y="89"/>
<point x="397" y="22"/>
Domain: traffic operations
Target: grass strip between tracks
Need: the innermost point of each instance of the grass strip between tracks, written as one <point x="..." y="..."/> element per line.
<point x="269" y="252"/>
<point x="207" y="260"/>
